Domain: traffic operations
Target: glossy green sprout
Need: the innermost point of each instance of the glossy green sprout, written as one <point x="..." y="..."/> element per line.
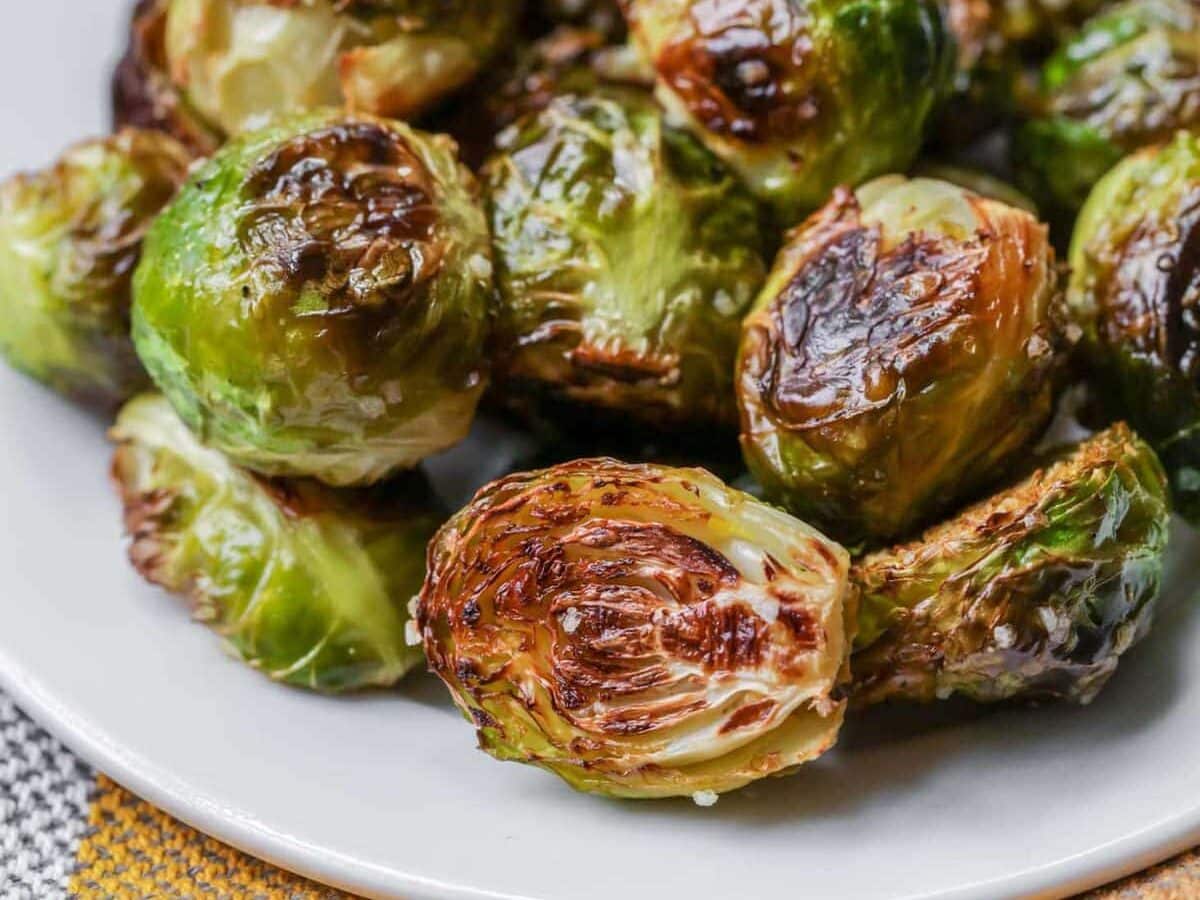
<point x="799" y="96"/>
<point x="316" y="300"/>
<point x="640" y="631"/>
<point x="1033" y="594"/>
<point x="626" y="257"/>
<point x="307" y="584"/>
<point x="1129" y="79"/>
<point x="1135" y="286"/>
<point x="902" y="355"/>
<point x="70" y="237"/>
<point x="238" y="61"/>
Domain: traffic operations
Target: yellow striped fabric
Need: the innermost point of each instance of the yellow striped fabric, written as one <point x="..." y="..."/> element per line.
<point x="133" y="850"/>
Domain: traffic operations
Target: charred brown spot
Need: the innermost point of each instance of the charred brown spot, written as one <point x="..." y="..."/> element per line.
<point x="625" y="365"/>
<point x="857" y="326"/>
<point x="720" y="638"/>
<point x="345" y="215"/>
<point x="742" y="68"/>
<point x="144" y="513"/>
<point x="806" y="630"/>
<point x="751" y="714"/>
<point x="483" y="718"/>
<point x="471" y="613"/>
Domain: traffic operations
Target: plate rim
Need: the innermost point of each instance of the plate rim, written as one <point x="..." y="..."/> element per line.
<point x="1096" y="867"/>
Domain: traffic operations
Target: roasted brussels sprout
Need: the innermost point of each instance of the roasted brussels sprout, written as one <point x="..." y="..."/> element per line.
<point x="70" y="237"/>
<point x="1129" y="79"/>
<point x="799" y="95"/>
<point x="308" y="584"/>
<point x="315" y="302"/>
<point x="143" y="95"/>
<point x="1033" y="594"/>
<point x="903" y="350"/>
<point x="640" y="631"/>
<point x="626" y="256"/>
<point x="1135" y="286"/>
<point x="238" y="61"/>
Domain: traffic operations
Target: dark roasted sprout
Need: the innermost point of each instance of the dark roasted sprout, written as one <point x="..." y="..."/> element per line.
<point x="238" y="61"/>
<point x="316" y="300"/>
<point x="70" y="237"/>
<point x="1033" y="594"/>
<point x="799" y="96"/>
<point x="1135" y="286"/>
<point x="626" y="257"/>
<point x="902" y="354"/>
<point x="143" y="94"/>
<point x="307" y="584"/>
<point x="640" y="631"/>
<point x="1129" y="79"/>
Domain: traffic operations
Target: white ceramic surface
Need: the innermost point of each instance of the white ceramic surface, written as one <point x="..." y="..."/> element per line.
<point x="386" y="795"/>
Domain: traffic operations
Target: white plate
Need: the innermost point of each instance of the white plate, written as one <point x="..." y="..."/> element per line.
<point x="386" y="794"/>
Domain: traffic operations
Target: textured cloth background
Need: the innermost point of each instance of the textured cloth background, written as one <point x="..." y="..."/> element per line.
<point x="67" y="832"/>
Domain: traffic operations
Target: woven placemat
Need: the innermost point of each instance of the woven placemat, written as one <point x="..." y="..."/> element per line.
<point x="66" y="831"/>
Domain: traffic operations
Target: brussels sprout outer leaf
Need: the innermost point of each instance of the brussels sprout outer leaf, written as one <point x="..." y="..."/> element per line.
<point x="315" y="302"/>
<point x="309" y="585"/>
<point x="1032" y="594"/>
<point x="70" y="237"/>
<point x="639" y="630"/>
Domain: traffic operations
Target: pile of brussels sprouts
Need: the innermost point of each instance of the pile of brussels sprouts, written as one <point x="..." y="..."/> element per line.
<point x="654" y="226"/>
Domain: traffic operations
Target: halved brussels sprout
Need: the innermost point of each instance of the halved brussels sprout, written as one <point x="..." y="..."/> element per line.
<point x="240" y="61"/>
<point x="799" y="95"/>
<point x="626" y="256"/>
<point x="1033" y="594"/>
<point x="307" y="584"/>
<point x="70" y="237"/>
<point x="316" y="300"/>
<point x="143" y="95"/>
<point x="1129" y="79"/>
<point x="1135" y="286"/>
<point x="903" y="351"/>
<point x="641" y="631"/>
